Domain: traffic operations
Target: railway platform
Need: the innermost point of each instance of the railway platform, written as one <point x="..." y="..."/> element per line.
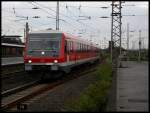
<point x="12" y="60"/>
<point x="132" y="86"/>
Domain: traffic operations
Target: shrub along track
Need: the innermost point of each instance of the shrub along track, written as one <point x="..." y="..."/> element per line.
<point x="96" y="96"/>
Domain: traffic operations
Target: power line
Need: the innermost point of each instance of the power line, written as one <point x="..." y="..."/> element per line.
<point x="66" y="16"/>
<point x="42" y="9"/>
<point x="52" y="15"/>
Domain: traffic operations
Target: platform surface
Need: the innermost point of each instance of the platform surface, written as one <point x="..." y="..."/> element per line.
<point x="132" y="86"/>
<point x="11" y="60"/>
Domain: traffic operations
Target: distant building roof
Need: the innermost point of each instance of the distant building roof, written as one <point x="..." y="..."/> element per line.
<point x="12" y="36"/>
<point x="11" y="39"/>
<point x="12" y="45"/>
<point x="46" y="31"/>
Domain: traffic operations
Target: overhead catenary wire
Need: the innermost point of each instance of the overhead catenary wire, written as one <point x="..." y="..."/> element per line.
<point x="67" y="16"/>
<point x="60" y="19"/>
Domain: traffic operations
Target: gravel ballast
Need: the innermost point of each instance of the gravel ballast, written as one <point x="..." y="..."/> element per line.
<point x="54" y="99"/>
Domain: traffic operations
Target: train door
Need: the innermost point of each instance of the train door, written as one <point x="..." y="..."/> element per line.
<point x="75" y="51"/>
<point x="67" y="51"/>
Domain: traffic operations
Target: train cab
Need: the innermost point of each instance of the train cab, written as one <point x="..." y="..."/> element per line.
<point x="44" y="49"/>
<point x="56" y="51"/>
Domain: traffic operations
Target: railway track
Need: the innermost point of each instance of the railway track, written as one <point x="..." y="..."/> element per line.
<point x="11" y="69"/>
<point x="19" y="88"/>
<point x="12" y="74"/>
<point x="13" y="101"/>
<point x="16" y="81"/>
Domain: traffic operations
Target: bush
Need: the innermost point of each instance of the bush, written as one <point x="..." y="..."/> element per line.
<point x="94" y="98"/>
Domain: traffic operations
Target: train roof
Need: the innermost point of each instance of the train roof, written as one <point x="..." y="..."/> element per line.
<point x="12" y="45"/>
<point x="70" y="36"/>
<point x="67" y="34"/>
<point x="11" y="39"/>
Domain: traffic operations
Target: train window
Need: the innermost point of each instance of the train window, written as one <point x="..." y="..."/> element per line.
<point x="71" y="44"/>
<point x="89" y="48"/>
<point x="48" y="42"/>
<point x="83" y="47"/>
<point x="65" y="46"/>
<point x="86" y="48"/>
<point x="78" y="47"/>
<point x="68" y="46"/>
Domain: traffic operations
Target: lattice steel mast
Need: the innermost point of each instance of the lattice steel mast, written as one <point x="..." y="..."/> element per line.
<point x="116" y="26"/>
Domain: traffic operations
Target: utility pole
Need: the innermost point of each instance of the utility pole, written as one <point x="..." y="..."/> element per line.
<point x="57" y="16"/>
<point x="127" y="36"/>
<point x="128" y="41"/>
<point x="139" y="45"/>
<point x="27" y="30"/>
<point x="24" y="35"/>
<point x="116" y="26"/>
<point x="133" y="45"/>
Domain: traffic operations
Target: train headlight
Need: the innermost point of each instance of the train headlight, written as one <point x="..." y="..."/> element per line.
<point x="42" y="52"/>
<point x="30" y="61"/>
<point x="55" y="61"/>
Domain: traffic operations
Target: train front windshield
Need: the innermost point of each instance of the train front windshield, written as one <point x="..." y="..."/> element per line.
<point x="44" y="44"/>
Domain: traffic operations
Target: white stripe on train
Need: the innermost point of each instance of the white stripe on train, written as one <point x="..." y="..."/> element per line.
<point x="67" y="63"/>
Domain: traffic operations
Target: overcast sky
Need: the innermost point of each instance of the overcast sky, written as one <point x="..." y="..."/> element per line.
<point x="72" y="21"/>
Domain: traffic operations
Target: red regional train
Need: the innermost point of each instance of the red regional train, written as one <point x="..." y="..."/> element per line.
<point x="57" y="51"/>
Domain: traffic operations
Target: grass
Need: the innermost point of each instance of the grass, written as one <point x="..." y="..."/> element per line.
<point x="94" y="97"/>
